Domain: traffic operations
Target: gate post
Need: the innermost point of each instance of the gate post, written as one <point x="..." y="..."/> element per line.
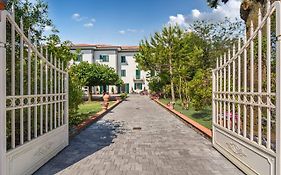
<point x="2" y="93"/>
<point x="278" y="88"/>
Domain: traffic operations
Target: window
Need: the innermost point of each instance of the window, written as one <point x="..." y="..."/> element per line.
<point x="123" y="73"/>
<point x="138" y="74"/>
<point x="79" y="57"/>
<point x="138" y="86"/>
<point x="123" y="59"/>
<point x="104" y="58"/>
<point x="125" y="88"/>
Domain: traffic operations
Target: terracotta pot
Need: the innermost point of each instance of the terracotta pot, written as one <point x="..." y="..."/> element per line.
<point x="106" y="98"/>
<point x="105" y="105"/>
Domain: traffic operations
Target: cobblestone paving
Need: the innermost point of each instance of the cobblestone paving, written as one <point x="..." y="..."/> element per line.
<point x="139" y="138"/>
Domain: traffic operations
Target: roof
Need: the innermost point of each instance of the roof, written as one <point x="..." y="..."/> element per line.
<point x="105" y="46"/>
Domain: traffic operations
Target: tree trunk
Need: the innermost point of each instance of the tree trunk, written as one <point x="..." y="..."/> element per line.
<point x="180" y="90"/>
<point x="89" y="93"/>
<point x="172" y="83"/>
<point x="249" y="11"/>
<point x="104" y="88"/>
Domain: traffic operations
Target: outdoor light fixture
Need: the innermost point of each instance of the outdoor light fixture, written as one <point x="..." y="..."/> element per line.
<point x="3" y="4"/>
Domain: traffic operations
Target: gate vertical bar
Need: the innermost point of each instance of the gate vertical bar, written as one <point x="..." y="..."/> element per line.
<point x="29" y="87"/>
<point x="21" y="84"/>
<point x="13" y="75"/>
<point x="245" y="88"/>
<point x="213" y="104"/>
<point x="252" y="83"/>
<point x="2" y="93"/>
<point x="268" y="65"/>
<point x="278" y="88"/>
<point x="66" y="80"/>
<point x="35" y="93"/>
<point x="259" y="79"/>
<point x="46" y="92"/>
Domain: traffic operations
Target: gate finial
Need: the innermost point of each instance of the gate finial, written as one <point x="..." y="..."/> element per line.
<point x="3" y="4"/>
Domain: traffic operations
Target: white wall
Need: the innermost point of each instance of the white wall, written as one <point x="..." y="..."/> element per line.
<point x="87" y="55"/>
<point x="112" y="62"/>
<point x="112" y="57"/>
<point x="130" y="67"/>
<point x="93" y="56"/>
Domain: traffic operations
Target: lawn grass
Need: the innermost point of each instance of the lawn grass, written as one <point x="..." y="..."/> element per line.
<point x="91" y="107"/>
<point x="85" y="111"/>
<point x="203" y="117"/>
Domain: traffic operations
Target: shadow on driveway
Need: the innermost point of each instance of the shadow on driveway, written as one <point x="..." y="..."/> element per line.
<point x="89" y="141"/>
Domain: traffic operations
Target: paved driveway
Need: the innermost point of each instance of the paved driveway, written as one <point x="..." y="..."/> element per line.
<point x="139" y="137"/>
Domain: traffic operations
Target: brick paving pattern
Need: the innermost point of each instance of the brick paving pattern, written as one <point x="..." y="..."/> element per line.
<point x="139" y="137"/>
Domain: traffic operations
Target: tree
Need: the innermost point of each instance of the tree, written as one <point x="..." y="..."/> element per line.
<point x="61" y="50"/>
<point x="215" y="3"/>
<point x="34" y="15"/>
<point x="94" y="75"/>
<point x="161" y="52"/>
<point x="193" y="55"/>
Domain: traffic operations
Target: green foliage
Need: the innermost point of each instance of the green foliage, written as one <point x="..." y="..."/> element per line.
<point x="62" y="51"/>
<point x="215" y="3"/>
<point x="123" y="96"/>
<point x="200" y="89"/>
<point x="35" y="17"/>
<point x="161" y="53"/>
<point x="183" y="60"/>
<point x="95" y="74"/>
<point x="204" y="116"/>
<point x="75" y="95"/>
<point x="84" y="111"/>
<point x="156" y="85"/>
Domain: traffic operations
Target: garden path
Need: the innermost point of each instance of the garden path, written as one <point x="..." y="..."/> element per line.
<point x="139" y="137"/>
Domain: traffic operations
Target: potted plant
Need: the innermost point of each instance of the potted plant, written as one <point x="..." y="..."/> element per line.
<point x="3" y="4"/>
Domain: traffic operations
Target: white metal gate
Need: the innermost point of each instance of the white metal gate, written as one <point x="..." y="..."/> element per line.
<point x="33" y="101"/>
<point x="246" y="98"/>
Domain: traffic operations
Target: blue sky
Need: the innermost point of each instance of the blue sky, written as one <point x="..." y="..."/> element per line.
<point x="126" y="22"/>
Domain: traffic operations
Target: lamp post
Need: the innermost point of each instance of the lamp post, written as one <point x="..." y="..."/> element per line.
<point x="3" y="4"/>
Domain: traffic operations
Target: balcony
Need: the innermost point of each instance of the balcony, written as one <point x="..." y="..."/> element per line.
<point x="138" y="78"/>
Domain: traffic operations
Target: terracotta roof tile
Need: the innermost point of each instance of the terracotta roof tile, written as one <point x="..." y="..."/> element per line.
<point x="107" y="46"/>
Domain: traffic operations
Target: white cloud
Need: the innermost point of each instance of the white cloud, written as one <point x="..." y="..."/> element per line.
<point x="93" y="20"/>
<point x="48" y="28"/>
<point x="230" y="10"/>
<point x="130" y="31"/>
<point x="195" y="13"/>
<point x="177" y="20"/>
<point x="76" y="17"/>
<point x="122" y="32"/>
<point x="31" y="1"/>
<point x="90" y="24"/>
